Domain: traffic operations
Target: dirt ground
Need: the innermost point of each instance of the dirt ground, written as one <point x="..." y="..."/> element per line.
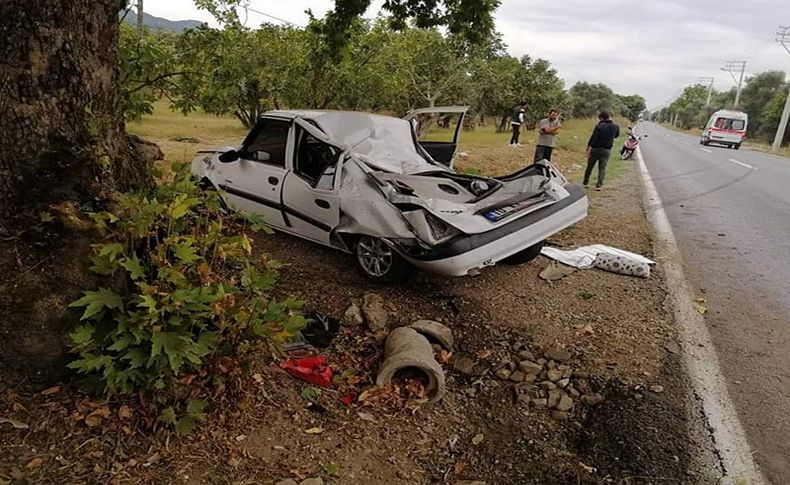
<point x="616" y="327"/>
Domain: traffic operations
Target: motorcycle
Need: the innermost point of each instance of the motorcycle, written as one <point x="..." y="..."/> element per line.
<point x="629" y="147"/>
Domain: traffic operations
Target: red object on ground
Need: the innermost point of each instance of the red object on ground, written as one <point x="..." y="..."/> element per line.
<point x="347" y="399"/>
<point x="311" y="369"/>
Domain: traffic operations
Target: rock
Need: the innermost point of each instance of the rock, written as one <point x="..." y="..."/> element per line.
<point x="567" y="373"/>
<point x="540" y="402"/>
<point x="478" y="439"/>
<point x="554" y="375"/>
<point x="592" y="399"/>
<point x="353" y="315"/>
<point x="578" y="374"/>
<point x="551" y="365"/>
<point x="563" y="383"/>
<point x="286" y="482"/>
<point x="435" y="331"/>
<point x="313" y="481"/>
<point x="464" y="364"/>
<point x="554" y="398"/>
<point x="530" y="368"/>
<point x="526" y="355"/>
<point x="672" y="347"/>
<point x="470" y="482"/>
<point x="471" y="391"/>
<point x="557" y="353"/>
<point x="583" y="386"/>
<point x="541" y="361"/>
<point x="548" y="385"/>
<point x="516" y="346"/>
<point x="565" y="404"/>
<point x="530" y="378"/>
<point x="517" y="376"/>
<point x="559" y="415"/>
<point x="503" y="373"/>
<point x="375" y="311"/>
<point x="657" y="389"/>
<point x="572" y="392"/>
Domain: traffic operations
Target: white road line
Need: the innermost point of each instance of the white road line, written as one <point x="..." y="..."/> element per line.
<point x="742" y="164"/>
<point x="706" y="150"/>
<point x="699" y="354"/>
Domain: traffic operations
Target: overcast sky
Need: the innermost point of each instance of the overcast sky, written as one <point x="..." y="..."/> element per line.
<point x="652" y="48"/>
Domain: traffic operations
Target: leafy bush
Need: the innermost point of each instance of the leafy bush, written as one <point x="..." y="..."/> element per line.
<point x="181" y="289"/>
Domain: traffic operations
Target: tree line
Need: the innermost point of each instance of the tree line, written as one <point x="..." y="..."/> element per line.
<point x="243" y="72"/>
<point x="762" y="97"/>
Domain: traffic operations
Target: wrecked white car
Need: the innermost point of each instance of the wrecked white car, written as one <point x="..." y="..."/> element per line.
<point x="364" y="184"/>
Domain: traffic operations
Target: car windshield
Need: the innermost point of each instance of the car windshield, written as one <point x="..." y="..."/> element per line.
<point x="730" y="124"/>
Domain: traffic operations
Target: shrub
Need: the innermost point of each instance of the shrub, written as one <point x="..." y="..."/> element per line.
<point x="181" y="289"/>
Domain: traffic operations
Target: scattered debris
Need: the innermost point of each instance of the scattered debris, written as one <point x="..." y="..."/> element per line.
<point x="435" y="331"/>
<point x="479" y="437"/>
<point x="657" y="389"/>
<point x="583" y="257"/>
<point x="406" y="349"/>
<point x="311" y="369"/>
<point x="554" y="271"/>
<point x="615" y="263"/>
<point x="375" y="312"/>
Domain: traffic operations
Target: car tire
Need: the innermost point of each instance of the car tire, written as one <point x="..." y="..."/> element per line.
<point x="737" y="146"/>
<point x="379" y="262"/>
<point x="525" y="255"/>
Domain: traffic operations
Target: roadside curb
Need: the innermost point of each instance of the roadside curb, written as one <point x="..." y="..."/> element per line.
<point x="699" y="354"/>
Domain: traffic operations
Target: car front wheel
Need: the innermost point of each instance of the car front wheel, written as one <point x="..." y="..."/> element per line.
<point x="379" y="262"/>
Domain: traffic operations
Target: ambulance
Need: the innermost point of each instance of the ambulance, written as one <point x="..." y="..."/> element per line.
<point x="725" y="127"/>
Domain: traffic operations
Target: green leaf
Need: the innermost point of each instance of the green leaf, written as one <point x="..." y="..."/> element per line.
<point x="175" y="347"/>
<point x="196" y="406"/>
<point x="90" y="362"/>
<point x="121" y="343"/>
<point x="111" y="250"/>
<point x="311" y="393"/>
<point x="148" y="302"/>
<point x="95" y="301"/>
<point x="181" y="205"/>
<point x="186" y="252"/>
<point x="82" y="334"/>
<point x="168" y="415"/>
<point x="331" y="469"/>
<point x="133" y="266"/>
<point x="186" y="425"/>
<point x="136" y="357"/>
<point x="45" y="217"/>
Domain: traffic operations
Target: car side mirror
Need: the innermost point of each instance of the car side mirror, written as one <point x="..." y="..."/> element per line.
<point x="229" y="156"/>
<point x="261" y="156"/>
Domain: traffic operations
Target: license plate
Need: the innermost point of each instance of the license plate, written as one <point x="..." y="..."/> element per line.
<point x="508" y="210"/>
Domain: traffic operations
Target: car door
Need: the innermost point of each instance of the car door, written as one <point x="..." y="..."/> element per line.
<point x="253" y="183"/>
<point x="437" y="130"/>
<point x="310" y="193"/>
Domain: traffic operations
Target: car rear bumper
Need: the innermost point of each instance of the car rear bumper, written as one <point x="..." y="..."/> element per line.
<point x="468" y="254"/>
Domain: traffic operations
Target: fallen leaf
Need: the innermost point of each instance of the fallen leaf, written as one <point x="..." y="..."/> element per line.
<point x="125" y="412"/>
<point x="50" y="390"/>
<point x="14" y="423"/>
<point x="587" y="330"/>
<point x="34" y="463"/>
<point x="366" y="416"/>
<point x="315" y="430"/>
<point x="478" y="439"/>
<point x="484" y="354"/>
<point x="257" y="378"/>
<point x="95" y="417"/>
<point x="587" y="468"/>
<point x="459" y="467"/>
<point x="241" y="438"/>
<point x="701" y="309"/>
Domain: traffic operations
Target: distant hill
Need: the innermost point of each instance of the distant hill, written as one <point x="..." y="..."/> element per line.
<point x="159" y="23"/>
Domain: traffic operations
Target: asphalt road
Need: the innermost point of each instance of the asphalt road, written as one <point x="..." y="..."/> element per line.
<point x="730" y="212"/>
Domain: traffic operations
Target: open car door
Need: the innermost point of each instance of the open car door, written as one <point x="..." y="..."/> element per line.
<point x="437" y="130"/>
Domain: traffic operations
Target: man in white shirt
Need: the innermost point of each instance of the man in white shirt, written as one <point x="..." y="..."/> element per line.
<point x="548" y="130"/>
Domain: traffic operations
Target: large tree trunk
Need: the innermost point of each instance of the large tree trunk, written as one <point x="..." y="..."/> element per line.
<point x="62" y="151"/>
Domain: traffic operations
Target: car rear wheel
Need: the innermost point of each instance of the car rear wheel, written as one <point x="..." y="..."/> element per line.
<point x="525" y="255"/>
<point x="737" y="146"/>
<point x="379" y="262"/>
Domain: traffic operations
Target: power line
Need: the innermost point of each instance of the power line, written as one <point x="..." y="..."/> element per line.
<point x="732" y="67"/>
<point x="287" y="22"/>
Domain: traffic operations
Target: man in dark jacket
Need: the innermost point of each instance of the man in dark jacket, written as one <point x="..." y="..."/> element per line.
<point x="600" y="147"/>
<point x="518" y="119"/>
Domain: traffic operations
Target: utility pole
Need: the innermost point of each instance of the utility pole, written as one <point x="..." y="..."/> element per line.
<point x="732" y="67"/>
<point x="709" y="82"/>
<point x="140" y="18"/>
<point x="783" y="37"/>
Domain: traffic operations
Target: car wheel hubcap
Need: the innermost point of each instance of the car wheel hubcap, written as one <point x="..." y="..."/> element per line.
<point x="374" y="256"/>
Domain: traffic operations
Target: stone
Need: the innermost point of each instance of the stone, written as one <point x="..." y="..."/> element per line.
<point x="563" y="383"/>
<point x="313" y="481"/>
<point x="559" y="415"/>
<point x="541" y="361"/>
<point x="471" y="391"/>
<point x="517" y="376"/>
<point x="530" y="378"/>
<point x="287" y="481"/>
<point x="565" y="404"/>
<point x="503" y="373"/>
<point x="464" y="364"/>
<point x="567" y="373"/>
<point x="353" y="315"/>
<point x="592" y="399"/>
<point x="540" y="402"/>
<point x="557" y="353"/>
<point x="478" y="438"/>
<point x="578" y="374"/>
<point x="516" y="346"/>
<point x="657" y="389"/>
<point x="435" y="332"/>
<point x="551" y="365"/>
<point x="548" y="385"/>
<point x="554" y="375"/>
<point x="572" y="392"/>
<point x="529" y="367"/>
<point x="672" y="347"/>
<point x="470" y="482"/>
<point x="526" y="355"/>
<point x="554" y="398"/>
<point x="375" y="312"/>
<point x="583" y="386"/>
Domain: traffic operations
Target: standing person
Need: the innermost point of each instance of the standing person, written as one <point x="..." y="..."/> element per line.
<point x="548" y="130"/>
<point x="600" y="147"/>
<point x="519" y="116"/>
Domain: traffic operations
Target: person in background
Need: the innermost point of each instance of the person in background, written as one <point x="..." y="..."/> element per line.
<point x="519" y="117"/>
<point x="548" y="128"/>
<point x="599" y="147"/>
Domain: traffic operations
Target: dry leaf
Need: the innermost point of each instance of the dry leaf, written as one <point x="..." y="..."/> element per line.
<point x="484" y="354"/>
<point x="459" y="467"/>
<point x="34" y="463"/>
<point x="14" y="423"/>
<point x="701" y="310"/>
<point x="125" y="412"/>
<point x="95" y="417"/>
<point x="315" y="430"/>
<point x="51" y="390"/>
<point x="478" y="439"/>
<point x="366" y="417"/>
<point x="586" y="330"/>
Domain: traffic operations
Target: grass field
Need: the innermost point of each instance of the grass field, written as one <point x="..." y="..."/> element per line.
<point x="481" y="150"/>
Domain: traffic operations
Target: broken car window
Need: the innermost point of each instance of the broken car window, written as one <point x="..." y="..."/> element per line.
<point x="316" y="161"/>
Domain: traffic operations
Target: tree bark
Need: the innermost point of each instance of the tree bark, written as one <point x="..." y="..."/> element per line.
<point x="63" y="151"/>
